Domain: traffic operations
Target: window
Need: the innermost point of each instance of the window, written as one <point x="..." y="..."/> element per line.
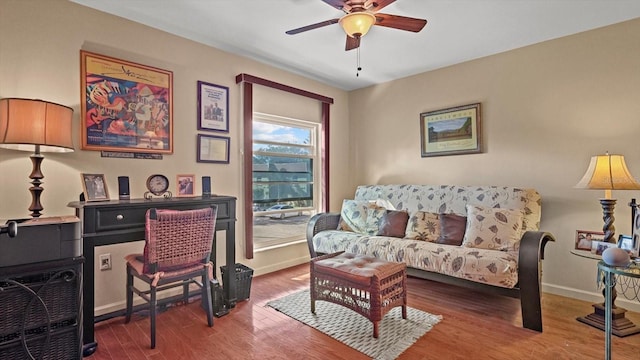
<point x="284" y="178"/>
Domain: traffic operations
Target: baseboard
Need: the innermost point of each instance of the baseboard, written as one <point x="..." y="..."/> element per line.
<point x="281" y="265"/>
<point x="593" y="297"/>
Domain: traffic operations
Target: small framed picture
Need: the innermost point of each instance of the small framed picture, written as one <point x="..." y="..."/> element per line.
<point x="186" y="184"/>
<point x="213" y="149"/>
<point x="625" y="242"/>
<point x="598" y="247"/>
<point x="213" y="107"/>
<point x="94" y="187"/>
<point x="585" y="238"/>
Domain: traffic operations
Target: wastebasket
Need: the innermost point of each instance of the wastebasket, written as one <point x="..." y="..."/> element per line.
<point x="243" y="275"/>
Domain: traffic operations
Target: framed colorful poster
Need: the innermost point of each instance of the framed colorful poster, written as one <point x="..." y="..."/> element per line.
<point x="451" y="131"/>
<point x="126" y="107"/>
<point x="213" y="107"/>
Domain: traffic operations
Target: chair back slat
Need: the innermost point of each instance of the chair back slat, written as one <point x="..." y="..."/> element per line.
<point x="176" y="238"/>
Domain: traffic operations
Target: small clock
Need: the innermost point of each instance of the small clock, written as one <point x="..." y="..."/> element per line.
<point x="157" y="185"/>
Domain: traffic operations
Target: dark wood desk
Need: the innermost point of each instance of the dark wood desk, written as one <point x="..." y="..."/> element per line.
<point x="115" y="222"/>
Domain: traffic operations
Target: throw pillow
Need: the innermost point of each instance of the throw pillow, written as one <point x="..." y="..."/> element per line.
<point x="383" y="203"/>
<point x="360" y="217"/>
<point x="393" y="223"/>
<point x="423" y="226"/>
<point x="493" y="228"/>
<point x="452" y="227"/>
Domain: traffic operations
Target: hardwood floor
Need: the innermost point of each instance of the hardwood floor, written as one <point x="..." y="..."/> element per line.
<point x="475" y="326"/>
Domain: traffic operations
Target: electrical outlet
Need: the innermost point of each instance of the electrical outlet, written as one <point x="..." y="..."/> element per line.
<point x="105" y="262"/>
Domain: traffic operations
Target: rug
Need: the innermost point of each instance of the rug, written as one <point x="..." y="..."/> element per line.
<point x="395" y="333"/>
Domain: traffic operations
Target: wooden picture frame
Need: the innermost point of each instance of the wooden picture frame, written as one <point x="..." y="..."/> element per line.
<point x="125" y="107"/>
<point x="213" y="107"/>
<point x="94" y="187"/>
<point x="213" y="149"/>
<point x="585" y="238"/>
<point x="452" y="131"/>
<point x="185" y="185"/>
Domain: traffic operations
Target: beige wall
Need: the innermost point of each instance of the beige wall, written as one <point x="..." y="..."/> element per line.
<point x="39" y="58"/>
<point x="546" y="109"/>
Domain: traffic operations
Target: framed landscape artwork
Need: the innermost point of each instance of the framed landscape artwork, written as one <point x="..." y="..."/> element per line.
<point x="125" y="107"/>
<point x="451" y="131"/>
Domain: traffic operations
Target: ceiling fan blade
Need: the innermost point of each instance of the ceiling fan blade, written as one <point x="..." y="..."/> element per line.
<point x="352" y="43"/>
<point x="311" y="27"/>
<point x="338" y="4"/>
<point x="371" y="5"/>
<point x="379" y="4"/>
<point x="400" y="22"/>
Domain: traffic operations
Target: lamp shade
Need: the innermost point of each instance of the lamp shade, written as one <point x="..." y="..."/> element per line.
<point x="608" y="172"/>
<point x="25" y="123"/>
<point x="357" y="24"/>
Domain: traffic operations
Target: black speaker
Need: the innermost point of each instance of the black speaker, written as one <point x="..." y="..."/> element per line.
<point x="123" y="188"/>
<point x="206" y="186"/>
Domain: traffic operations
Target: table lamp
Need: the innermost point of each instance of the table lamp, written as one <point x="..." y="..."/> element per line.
<point x="608" y="172"/>
<point x="38" y="126"/>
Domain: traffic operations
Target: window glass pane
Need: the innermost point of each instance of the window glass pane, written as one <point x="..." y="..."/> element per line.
<point x="282" y="179"/>
<point x="280" y="133"/>
<point x="284" y="149"/>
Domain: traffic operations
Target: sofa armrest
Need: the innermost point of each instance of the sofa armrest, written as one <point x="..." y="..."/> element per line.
<point x="320" y="222"/>
<point x="530" y="257"/>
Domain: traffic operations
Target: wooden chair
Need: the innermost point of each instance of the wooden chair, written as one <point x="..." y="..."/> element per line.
<point x="176" y="252"/>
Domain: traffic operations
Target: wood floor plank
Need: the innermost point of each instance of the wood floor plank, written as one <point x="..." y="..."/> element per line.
<point x="474" y="326"/>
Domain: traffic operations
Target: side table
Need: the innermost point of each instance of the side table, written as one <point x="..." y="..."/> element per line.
<point x="630" y="277"/>
<point x="620" y="326"/>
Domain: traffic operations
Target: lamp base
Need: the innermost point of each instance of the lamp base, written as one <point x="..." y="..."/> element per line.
<point x="620" y="325"/>
<point x="607" y="216"/>
<point x="36" y="189"/>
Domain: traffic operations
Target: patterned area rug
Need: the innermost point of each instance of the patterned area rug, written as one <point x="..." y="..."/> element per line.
<point x="354" y="330"/>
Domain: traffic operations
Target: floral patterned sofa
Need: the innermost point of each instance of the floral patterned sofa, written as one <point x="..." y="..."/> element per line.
<point x="482" y="237"/>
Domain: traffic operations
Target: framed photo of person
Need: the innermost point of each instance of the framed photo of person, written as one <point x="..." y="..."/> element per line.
<point x="186" y="184"/>
<point x="94" y="187"/>
<point x="585" y="238"/>
<point x="213" y="107"/>
<point x="598" y="247"/>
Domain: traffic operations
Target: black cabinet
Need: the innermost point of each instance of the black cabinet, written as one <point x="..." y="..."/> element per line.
<point x="40" y="315"/>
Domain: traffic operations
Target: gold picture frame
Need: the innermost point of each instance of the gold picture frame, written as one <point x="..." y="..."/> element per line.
<point x="185" y="185"/>
<point x="451" y="131"/>
<point x="125" y="107"/>
<point x="94" y="187"/>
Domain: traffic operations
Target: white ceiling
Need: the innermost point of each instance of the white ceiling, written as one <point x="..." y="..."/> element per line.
<point x="457" y="31"/>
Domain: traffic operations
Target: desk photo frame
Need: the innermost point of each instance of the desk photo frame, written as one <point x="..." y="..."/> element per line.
<point x="94" y="187"/>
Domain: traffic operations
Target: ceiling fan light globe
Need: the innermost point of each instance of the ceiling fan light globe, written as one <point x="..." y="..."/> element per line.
<point x="357" y="24"/>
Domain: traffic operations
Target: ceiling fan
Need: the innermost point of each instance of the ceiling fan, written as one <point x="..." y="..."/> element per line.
<point x="360" y="16"/>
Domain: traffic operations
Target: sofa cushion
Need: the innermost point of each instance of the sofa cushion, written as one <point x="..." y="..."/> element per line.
<point x="361" y="217"/>
<point x="393" y="223"/>
<point x="499" y="268"/>
<point x="494" y="229"/>
<point x="423" y="226"/>
<point x="452" y="229"/>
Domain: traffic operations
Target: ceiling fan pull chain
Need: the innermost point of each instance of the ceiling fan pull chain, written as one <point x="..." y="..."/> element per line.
<point x="358" y="62"/>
